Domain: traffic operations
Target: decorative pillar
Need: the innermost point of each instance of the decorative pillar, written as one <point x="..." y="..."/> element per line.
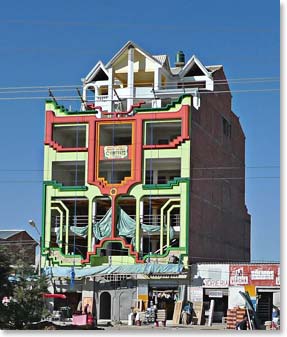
<point x="157" y="79"/>
<point x="110" y="90"/>
<point x="130" y="77"/>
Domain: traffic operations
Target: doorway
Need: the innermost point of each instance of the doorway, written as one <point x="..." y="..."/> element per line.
<point x="105" y="305"/>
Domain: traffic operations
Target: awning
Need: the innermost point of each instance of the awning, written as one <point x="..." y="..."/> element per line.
<point x="62" y="296"/>
<point x="147" y="269"/>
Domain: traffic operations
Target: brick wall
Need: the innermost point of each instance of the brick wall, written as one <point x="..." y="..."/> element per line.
<point x="219" y="223"/>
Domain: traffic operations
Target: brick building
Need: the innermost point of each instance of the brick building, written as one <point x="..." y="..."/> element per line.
<point x="19" y="242"/>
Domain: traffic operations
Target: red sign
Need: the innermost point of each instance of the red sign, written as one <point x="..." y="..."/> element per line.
<point x="254" y="274"/>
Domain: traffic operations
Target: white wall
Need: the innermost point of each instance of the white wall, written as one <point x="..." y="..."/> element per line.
<point x="234" y="298"/>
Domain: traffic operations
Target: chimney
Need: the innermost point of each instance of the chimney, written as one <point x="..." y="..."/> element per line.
<point x="180" y="59"/>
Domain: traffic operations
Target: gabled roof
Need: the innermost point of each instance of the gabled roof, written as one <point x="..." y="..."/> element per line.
<point x="6" y="234"/>
<point x="194" y="62"/>
<point x="164" y="60"/>
<point x="214" y="68"/>
<point x="124" y="48"/>
<point x="97" y="68"/>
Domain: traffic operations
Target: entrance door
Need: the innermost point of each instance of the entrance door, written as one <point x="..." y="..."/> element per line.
<point x="264" y="306"/>
<point x="105" y="305"/>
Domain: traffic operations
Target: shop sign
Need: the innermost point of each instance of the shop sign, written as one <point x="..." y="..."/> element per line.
<point x="116" y="152"/>
<point x="258" y="275"/>
<point x="262" y="274"/>
<point x="196" y="294"/>
<point x="215" y="293"/>
<point x="238" y="276"/>
<point x="215" y="283"/>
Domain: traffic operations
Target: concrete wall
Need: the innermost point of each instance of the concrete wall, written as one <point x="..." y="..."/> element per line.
<point x="234" y="298"/>
<point x="122" y="296"/>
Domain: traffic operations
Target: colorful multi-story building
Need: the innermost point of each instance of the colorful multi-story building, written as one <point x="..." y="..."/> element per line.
<point x="146" y="178"/>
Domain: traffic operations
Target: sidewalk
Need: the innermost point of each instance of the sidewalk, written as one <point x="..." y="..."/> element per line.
<point x="169" y="326"/>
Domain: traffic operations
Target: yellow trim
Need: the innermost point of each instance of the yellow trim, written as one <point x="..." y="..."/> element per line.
<point x="61" y="224"/>
<point x="67" y="223"/>
<point x="161" y="221"/>
<point x="168" y="223"/>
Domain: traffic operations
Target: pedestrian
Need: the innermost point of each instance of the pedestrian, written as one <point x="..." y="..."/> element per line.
<point x="186" y="313"/>
<point x="243" y="324"/>
<point x="275" y="317"/>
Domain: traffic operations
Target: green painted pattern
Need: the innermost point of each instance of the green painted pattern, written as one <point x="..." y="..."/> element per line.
<point x="60" y="110"/>
<point x="60" y="187"/>
<point x="179" y="187"/>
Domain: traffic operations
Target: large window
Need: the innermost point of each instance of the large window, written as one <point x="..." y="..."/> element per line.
<point x="69" y="173"/>
<point x="160" y="171"/>
<point x="161" y="133"/>
<point x="70" y="136"/>
<point x="115" y="171"/>
<point x="115" y="134"/>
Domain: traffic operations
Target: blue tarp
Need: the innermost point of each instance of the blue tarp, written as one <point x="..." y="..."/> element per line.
<point x="147" y="268"/>
<point x="126" y="227"/>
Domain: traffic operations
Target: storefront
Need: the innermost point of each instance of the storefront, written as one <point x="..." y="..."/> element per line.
<point x="210" y="282"/>
<point x="220" y="297"/>
<point x="262" y="282"/>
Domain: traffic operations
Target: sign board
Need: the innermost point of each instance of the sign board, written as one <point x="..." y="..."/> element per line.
<point x="256" y="274"/>
<point x="196" y="294"/>
<point x="116" y="152"/>
<point x="215" y="283"/>
<point x="216" y="293"/>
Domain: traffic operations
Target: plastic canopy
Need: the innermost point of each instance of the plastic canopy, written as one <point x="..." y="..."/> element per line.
<point x="126" y="227"/>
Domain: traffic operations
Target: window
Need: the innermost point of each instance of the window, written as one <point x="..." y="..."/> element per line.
<point x="115" y="134"/>
<point x="72" y="136"/>
<point x="162" y="170"/>
<point x="161" y="133"/>
<point x="69" y="173"/>
<point x="226" y="127"/>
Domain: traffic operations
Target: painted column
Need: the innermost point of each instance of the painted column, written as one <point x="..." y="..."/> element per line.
<point x="130" y="76"/>
<point x="139" y="217"/>
<point x="114" y="223"/>
<point x="157" y="79"/>
<point x="110" y="89"/>
<point x="90" y="224"/>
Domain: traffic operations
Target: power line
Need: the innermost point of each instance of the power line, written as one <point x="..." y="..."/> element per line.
<point x="76" y="98"/>
<point x="193" y="168"/>
<point x="235" y="80"/>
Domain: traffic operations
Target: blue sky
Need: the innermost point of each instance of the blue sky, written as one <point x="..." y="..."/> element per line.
<point x="58" y="42"/>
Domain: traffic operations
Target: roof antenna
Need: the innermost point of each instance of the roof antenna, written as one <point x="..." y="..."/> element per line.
<point x="81" y="98"/>
<point x="51" y="95"/>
